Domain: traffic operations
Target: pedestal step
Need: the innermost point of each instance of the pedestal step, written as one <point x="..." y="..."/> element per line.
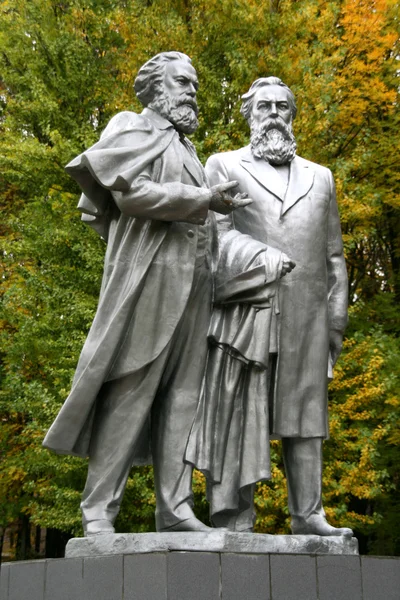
<point x="203" y="576"/>
<point x="216" y="541"/>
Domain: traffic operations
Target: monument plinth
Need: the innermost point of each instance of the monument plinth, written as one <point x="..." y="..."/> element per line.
<point x="215" y="541"/>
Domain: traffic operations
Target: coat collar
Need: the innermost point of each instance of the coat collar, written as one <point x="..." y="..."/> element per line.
<point x="162" y="123"/>
<point x="156" y="118"/>
<point x="301" y="178"/>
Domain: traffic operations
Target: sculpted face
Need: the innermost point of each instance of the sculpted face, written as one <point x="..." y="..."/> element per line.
<point x="271" y="126"/>
<point x="180" y="78"/>
<point x="176" y="100"/>
<point x="271" y="102"/>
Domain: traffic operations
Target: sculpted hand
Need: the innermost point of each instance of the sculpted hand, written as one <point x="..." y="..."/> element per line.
<point x="287" y="264"/>
<point x="223" y="203"/>
<point x="335" y="344"/>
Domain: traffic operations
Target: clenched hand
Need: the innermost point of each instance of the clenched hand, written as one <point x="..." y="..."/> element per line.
<point x="287" y="264"/>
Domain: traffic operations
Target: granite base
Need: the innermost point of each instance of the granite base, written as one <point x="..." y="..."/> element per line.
<point x="203" y="576"/>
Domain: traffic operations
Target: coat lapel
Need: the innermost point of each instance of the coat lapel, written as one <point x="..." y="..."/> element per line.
<point x="300" y="182"/>
<point x="196" y="170"/>
<point x="264" y="173"/>
<point x="194" y="166"/>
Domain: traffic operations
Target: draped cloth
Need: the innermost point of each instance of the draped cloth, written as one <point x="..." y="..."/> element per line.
<point x="230" y="433"/>
<point x="141" y="301"/>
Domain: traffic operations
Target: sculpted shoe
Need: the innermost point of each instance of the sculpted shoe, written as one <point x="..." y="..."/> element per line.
<point x="98" y="527"/>
<point x="191" y="524"/>
<point x="317" y="525"/>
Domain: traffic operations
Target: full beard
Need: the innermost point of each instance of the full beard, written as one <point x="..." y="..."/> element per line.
<point x="181" y="111"/>
<point x="273" y="141"/>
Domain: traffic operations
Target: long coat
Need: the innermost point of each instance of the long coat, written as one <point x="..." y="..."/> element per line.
<point x="150" y="257"/>
<point x="303" y="222"/>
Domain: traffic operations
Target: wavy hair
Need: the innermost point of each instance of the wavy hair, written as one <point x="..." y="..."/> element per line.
<point x="149" y="78"/>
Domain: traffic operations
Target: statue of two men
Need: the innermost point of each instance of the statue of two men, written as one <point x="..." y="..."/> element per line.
<point x="135" y="394"/>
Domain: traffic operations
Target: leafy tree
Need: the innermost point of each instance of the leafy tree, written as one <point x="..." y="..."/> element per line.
<point x="67" y="67"/>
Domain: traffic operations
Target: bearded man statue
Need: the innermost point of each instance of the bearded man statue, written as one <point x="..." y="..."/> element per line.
<point x="288" y="353"/>
<point x="138" y="379"/>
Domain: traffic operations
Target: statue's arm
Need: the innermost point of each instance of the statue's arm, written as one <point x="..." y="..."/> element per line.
<point x="337" y="277"/>
<point x="171" y="201"/>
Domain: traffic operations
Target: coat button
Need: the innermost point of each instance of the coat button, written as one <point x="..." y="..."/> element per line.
<point x="190" y="233"/>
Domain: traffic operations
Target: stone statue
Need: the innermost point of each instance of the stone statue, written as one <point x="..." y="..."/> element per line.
<point x="138" y="379"/>
<point x="268" y="367"/>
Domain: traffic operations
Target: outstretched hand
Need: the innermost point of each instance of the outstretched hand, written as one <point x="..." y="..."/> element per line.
<point x="222" y="202"/>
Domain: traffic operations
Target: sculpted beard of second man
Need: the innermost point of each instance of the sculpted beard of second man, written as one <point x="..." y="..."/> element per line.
<point x="294" y="210"/>
<point x="139" y="374"/>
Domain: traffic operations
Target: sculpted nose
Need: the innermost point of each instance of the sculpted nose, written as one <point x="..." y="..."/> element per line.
<point x="273" y="109"/>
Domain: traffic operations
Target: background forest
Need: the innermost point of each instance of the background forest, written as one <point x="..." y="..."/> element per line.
<point x="66" y="67"/>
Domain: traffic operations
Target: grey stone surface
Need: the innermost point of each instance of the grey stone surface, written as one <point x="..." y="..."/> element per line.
<point x="216" y="541"/>
<point x="204" y="576"/>
<point x="145" y="577"/>
<point x="339" y="578"/>
<point x="27" y="580"/>
<point x="64" y="579"/>
<point x="380" y="578"/>
<point x="103" y="578"/>
<point x="4" y="576"/>
<point x="193" y="576"/>
<point x="245" y="577"/>
<point x="293" y="578"/>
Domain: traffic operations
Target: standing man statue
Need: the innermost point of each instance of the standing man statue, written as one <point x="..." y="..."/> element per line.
<point x="294" y="210"/>
<point x="138" y="378"/>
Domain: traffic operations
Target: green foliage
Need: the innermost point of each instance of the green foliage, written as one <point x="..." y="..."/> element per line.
<point x="66" y="68"/>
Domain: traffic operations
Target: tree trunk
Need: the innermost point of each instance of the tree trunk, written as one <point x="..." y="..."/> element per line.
<point x="56" y="541"/>
<point x="24" y="539"/>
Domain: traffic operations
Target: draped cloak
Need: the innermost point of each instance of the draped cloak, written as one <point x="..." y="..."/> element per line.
<point x="141" y="301"/>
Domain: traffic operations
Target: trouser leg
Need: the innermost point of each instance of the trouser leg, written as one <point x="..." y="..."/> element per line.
<point x="303" y="465"/>
<point x="122" y="412"/>
<point x="169" y="390"/>
<point x="175" y="406"/>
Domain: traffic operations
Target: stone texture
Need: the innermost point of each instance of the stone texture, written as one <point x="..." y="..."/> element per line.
<point x="4" y="576"/>
<point x="64" y="579"/>
<point x="204" y="576"/>
<point x="193" y="576"/>
<point x="27" y="580"/>
<point x="293" y="577"/>
<point x="245" y="577"/>
<point x="216" y="541"/>
<point x="380" y="578"/>
<point x="145" y="577"/>
<point x="103" y="578"/>
<point x="339" y="578"/>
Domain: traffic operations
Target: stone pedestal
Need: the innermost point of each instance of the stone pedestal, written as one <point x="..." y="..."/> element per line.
<point x="216" y="541"/>
<point x="203" y="576"/>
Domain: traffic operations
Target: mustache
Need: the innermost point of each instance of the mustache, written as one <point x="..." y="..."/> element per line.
<point x="185" y="100"/>
<point x="274" y="123"/>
